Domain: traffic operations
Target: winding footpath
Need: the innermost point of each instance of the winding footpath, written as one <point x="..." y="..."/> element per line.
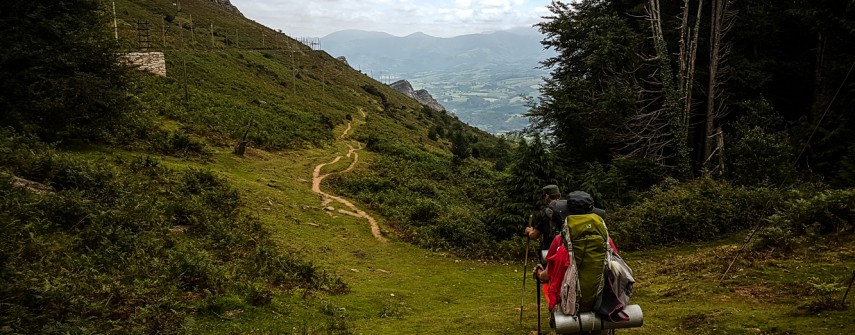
<point x="317" y="178"/>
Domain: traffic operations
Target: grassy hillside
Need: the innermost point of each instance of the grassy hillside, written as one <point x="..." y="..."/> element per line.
<point x="166" y="230"/>
<point x="172" y="157"/>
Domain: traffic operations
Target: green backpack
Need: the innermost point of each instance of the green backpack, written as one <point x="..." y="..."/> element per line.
<point x="586" y="235"/>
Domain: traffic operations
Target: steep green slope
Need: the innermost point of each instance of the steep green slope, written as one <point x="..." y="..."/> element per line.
<point x="283" y="95"/>
<point x="145" y="234"/>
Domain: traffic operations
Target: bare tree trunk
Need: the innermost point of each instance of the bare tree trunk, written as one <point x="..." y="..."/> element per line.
<point x="721" y="166"/>
<point x="688" y="56"/>
<point x="715" y="39"/>
<point x="674" y="94"/>
<point x="692" y="57"/>
<point x="719" y="25"/>
<point x="817" y="80"/>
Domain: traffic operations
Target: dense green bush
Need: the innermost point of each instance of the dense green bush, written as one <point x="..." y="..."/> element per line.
<point x="128" y="246"/>
<point x="408" y="185"/>
<point x="760" y="152"/>
<point x="761" y="157"/>
<point x="808" y="214"/>
<point x="698" y="210"/>
<point x="826" y="212"/>
<point x="179" y="143"/>
<point x="617" y="184"/>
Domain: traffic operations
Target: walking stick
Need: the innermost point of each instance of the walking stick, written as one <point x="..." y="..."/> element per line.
<point x="537" y="280"/>
<point x="525" y="270"/>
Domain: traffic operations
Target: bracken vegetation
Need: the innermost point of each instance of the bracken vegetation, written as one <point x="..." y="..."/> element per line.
<point x="129" y="246"/>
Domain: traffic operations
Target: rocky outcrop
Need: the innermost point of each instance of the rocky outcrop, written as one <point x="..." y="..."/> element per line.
<point x="425" y="98"/>
<point x="422" y="96"/>
<point x="227" y="5"/>
<point x="343" y="60"/>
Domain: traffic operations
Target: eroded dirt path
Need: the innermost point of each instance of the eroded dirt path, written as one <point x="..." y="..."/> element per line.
<point x="317" y="178"/>
<point x="344" y="134"/>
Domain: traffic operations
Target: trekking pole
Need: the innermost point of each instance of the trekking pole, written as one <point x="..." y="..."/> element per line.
<point x="537" y="280"/>
<point x="843" y="302"/>
<point x="525" y="270"/>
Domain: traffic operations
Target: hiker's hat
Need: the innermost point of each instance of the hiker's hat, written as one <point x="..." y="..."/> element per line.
<point x="551" y="190"/>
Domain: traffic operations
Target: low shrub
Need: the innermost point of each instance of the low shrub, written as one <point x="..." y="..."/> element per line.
<point x="808" y="214"/>
<point x="408" y="186"/>
<point x="699" y="210"/>
<point x="826" y="212"/>
<point x="775" y="239"/>
<point x="179" y="144"/>
<point x="824" y="296"/>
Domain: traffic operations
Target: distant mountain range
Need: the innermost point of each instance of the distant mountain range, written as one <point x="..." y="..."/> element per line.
<point x="479" y="77"/>
<point x="419" y="52"/>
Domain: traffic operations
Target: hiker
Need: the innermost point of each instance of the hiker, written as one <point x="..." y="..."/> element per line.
<point x="578" y="203"/>
<point x="551" y="218"/>
<point x="579" y="210"/>
<point x="545" y="224"/>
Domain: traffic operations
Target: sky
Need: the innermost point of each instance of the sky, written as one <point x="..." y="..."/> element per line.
<point x="440" y="18"/>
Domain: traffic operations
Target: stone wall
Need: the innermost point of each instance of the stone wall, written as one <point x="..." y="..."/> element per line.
<point x="152" y="62"/>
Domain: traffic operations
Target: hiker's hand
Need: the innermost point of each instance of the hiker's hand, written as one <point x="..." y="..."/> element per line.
<point x="531" y="233"/>
<point x="536" y="271"/>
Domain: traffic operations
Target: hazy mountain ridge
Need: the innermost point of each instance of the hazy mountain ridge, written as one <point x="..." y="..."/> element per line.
<point x="481" y="78"/>
<point x="421" y="52"/>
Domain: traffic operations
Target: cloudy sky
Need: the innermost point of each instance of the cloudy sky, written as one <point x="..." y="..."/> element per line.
<point x="441" y="18"/>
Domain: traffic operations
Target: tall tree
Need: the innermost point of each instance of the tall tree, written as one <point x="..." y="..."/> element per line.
<point x="591" y="90"/>
<point x="59" y="73"/>
<point x="533" y="166"/>
<point x="826" y="132"/>
<point x="612" y="92"/>
<point x="676" y="91"/>
<point x="720" y="23"/>
<point x="460" y="145"/>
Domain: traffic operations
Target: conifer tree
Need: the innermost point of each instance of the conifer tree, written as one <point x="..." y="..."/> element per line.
<point x="59" y="73"/>
<point x="533" y="167"/>
<point x="460" y="146"/>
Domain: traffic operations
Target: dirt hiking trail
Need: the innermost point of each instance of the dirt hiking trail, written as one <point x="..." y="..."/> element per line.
<point x="317" y="178"/>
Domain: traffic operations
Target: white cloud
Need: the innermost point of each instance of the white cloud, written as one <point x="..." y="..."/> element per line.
<point x="442" y="18"/>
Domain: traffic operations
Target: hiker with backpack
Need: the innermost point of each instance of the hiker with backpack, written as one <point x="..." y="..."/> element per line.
<point x="547" y="225"/>
<point x="551" y="218"/>
<point x="579" y="266"/>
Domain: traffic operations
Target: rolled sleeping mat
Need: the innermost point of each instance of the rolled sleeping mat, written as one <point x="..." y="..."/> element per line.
<point x="588" y="321"/>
